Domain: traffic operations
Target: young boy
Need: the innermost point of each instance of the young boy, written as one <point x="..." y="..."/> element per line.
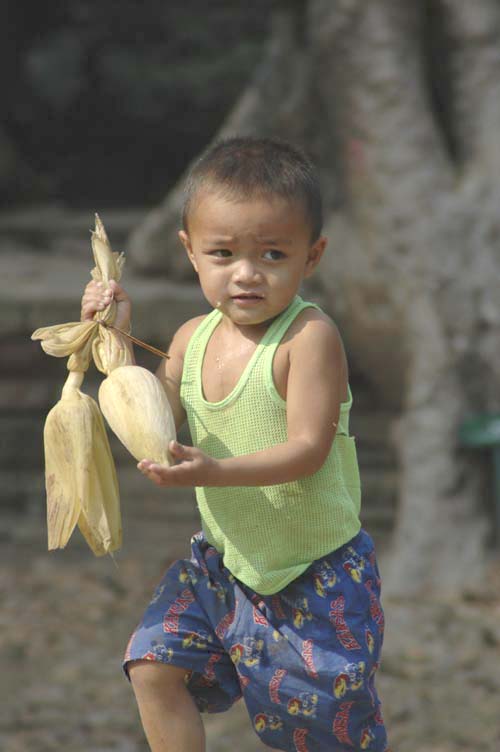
<point x="279" y="602"/>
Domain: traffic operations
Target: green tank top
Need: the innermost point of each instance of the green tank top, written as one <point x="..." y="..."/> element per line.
<point x="268" y="535"/>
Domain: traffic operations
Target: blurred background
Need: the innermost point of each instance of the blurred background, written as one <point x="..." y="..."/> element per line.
<point x="104" y="106"/>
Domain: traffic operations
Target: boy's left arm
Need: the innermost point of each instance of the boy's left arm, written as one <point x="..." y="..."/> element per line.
<point x="313" y="406"/>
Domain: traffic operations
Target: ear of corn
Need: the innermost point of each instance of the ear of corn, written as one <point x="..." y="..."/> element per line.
<point x="108" y="264"/>
<point x="80" y="476"/>
<point x="109" y="350"/>
<point x="136" y="407"/>
<point x="81" y="483"/>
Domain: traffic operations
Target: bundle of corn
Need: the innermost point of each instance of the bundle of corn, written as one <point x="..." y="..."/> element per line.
<point x="82" y="340"/>
<point x="81" y="482"/>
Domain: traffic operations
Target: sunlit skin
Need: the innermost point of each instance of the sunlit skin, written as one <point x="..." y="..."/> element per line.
<point x="260" y="249"/>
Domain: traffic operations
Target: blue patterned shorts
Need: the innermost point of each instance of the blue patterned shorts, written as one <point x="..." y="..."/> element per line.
<point x="304" y="659"/>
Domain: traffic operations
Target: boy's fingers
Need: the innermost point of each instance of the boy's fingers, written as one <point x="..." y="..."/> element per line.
<point x="117" y="291"/>
<point x="146" y="466"/>
<point x="180" y="451"/>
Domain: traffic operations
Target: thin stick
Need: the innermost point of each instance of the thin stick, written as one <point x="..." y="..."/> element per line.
<point x="139" y="342"/>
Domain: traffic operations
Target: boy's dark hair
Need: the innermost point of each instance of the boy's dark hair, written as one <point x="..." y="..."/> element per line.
<point x="243" y="168"/>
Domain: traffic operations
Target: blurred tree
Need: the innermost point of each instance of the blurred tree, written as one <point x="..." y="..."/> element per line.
<point x="127" y="91"/>
<point x="21" y="23"/>
<point x="398" y="103"/>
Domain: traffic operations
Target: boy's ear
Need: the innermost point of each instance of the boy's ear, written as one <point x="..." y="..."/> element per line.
<point x="186" y="242"/>
<point x="314" y="256"/>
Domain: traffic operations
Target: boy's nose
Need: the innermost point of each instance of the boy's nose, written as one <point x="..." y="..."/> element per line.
<point x="246" y="272"/>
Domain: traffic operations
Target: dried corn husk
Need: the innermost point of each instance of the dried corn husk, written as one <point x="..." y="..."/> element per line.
<point x="81" y="481"/>
<point x="83" y="340"/>
<point x="136" y="407"/>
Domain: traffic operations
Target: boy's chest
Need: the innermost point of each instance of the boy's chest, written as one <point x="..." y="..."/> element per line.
<point x="223" y="367"/>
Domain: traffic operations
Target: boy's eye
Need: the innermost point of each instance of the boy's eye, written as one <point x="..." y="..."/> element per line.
<point x="221" y="253"/>
<point x="274" y="255"/>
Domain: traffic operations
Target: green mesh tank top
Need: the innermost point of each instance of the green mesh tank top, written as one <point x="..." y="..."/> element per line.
<point x="268" y="535"/>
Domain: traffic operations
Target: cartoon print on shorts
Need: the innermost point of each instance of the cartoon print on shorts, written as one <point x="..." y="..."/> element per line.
<point x="197" y="640"/>
<point x="324" y="577"/>
<point x="301" y="612"/>
<point x="271" y="648"/>
<point x="263" y="721"/>
<point x="277" y="607"/>
<point x="354" y="564"/>
<point x="249" y="651"/>
<point x="367" y="737"/>
<point x="370" y="640"/>
<point x="159" y="652"/>
<point x="217" y="588"/>
<point x="187" y="574"/>
<point x="352" y="677"/>
<point x="305" y="704"/>
<point x="376" y="610"/>
<point x="279" y="637"/>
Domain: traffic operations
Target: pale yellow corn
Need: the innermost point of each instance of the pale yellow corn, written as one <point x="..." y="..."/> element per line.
<point x="136" y="407"/>
<point x="80" y="475"/>
<point x="81" y="483"/>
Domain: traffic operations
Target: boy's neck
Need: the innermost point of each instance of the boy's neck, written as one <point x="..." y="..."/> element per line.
<point x="253" y="332"/>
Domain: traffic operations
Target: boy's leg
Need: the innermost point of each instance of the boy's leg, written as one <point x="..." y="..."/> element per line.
<point x="169" y="715"/>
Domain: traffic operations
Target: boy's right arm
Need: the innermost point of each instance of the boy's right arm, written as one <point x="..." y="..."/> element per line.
<point x="170" y="370"/>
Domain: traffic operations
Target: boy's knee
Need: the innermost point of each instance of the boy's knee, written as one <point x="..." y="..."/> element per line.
<point x="152" y="675"/>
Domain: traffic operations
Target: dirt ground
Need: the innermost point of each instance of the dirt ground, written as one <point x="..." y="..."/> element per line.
<point x="66" y="618"/>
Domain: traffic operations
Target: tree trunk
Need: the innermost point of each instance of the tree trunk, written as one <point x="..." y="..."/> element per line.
<point x="154" y="245"/>
<point x="411" y="208"/>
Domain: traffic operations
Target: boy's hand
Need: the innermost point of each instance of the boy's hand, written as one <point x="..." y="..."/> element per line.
<point x="193" y="468"/>
<point x="97" y="296"/>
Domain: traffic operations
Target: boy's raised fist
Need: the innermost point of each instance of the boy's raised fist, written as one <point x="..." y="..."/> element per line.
<point x="97" y="296"/>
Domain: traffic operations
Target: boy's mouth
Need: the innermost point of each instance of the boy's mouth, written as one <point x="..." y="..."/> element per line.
<point x="247" y="296"/>
<point x="247" y="299"/>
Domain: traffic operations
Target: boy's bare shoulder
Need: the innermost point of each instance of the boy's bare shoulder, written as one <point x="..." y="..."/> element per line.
<point x="184" y="333"/>
<point x="313" y="327"/>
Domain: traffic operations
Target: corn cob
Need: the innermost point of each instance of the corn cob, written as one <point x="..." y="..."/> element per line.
<point x="136" y="407"/>
<point x="81" y="481"/>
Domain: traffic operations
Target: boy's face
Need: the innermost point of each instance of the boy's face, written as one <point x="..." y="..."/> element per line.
<point x="250" y="256"/>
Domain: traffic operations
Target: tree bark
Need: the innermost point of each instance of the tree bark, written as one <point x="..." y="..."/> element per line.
<point x="273" y="103"/>
<point x="411" y="224"/>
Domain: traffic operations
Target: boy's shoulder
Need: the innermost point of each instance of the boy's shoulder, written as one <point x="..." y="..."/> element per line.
<point x="313" y="327"/>
<point x="185" y="332"/>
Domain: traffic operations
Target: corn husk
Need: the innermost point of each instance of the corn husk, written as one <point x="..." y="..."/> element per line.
<point x="81" y="482"/>
<point x="134" y="403"/>
<point x="83" y="340"/>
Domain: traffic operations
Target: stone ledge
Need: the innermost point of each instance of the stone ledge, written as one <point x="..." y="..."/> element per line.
<point x="40" y="290"/>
